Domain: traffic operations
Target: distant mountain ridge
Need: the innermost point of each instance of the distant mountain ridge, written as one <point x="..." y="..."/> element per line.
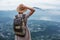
<point x="38" y="14"/>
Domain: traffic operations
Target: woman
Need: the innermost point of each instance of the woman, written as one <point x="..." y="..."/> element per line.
<point x="21" y="9"/>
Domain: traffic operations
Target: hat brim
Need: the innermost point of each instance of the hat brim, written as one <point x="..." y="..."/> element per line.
<point x="21" y="10"/>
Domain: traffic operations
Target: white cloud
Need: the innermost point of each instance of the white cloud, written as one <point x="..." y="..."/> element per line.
<point x="12" y="4"/>
<point x="45" y="18"/>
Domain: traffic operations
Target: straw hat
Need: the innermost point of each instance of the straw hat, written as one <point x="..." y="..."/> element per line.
<point x="21" y="7"/>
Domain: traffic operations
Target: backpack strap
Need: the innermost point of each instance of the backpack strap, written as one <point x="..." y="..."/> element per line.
<point x="23" y="19"/>
<point x="16" y="16"/>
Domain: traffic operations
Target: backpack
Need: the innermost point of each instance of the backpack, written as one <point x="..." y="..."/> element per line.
<point x="19" y="23"/>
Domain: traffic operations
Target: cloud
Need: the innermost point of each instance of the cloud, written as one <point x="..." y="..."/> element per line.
<point x="45" y="18"/>
<point x="44" y="4"/>
<point x="9" y="4"/>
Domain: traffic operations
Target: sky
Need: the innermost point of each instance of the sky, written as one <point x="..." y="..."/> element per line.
<point x="44" y="4"/>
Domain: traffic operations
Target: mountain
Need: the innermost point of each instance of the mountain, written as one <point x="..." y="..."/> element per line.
<point x="39" y="14"/>
<point x="38" y="8"/>
<point x="40" y="29"/>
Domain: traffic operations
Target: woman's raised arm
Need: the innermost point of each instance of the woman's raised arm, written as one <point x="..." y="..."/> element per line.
<point x="32" y="10"/>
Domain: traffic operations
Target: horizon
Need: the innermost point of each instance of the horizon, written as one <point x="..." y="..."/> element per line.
<point x="39" y="14"/>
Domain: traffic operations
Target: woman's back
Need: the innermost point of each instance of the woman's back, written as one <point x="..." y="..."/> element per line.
<point x="27" y="36"/>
